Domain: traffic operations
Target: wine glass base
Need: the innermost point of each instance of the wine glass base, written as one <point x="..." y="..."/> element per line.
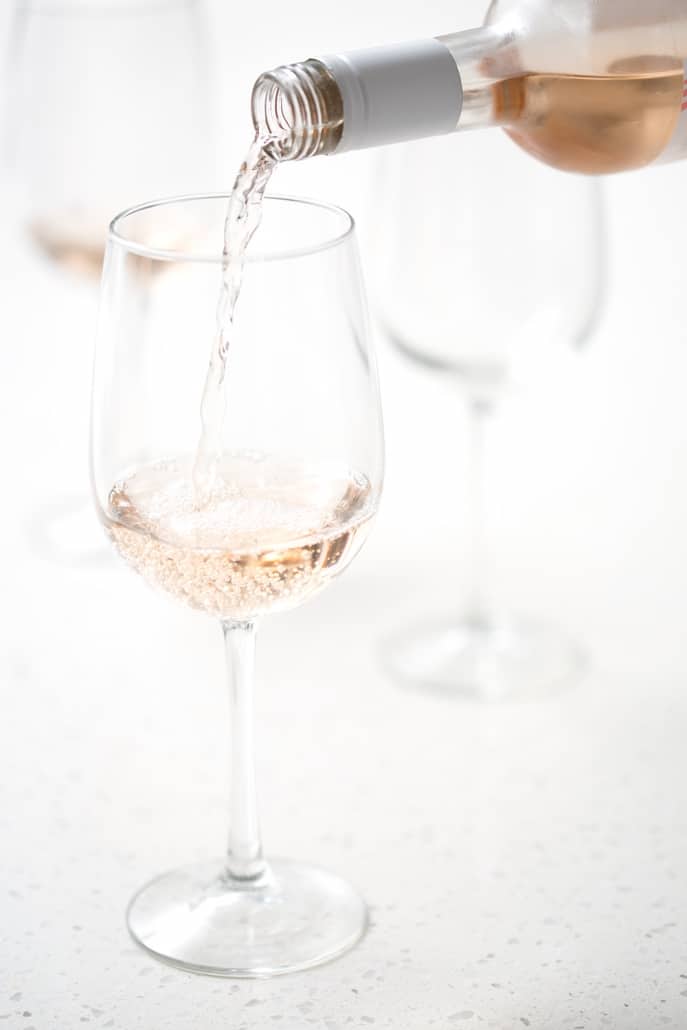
<point x="485" y="660"/>
<point x="201" y="920"/>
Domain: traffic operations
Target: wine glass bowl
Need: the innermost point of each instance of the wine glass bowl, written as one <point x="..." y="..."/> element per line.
<point x="295" y="492"/>
<point x="504" y="253"/>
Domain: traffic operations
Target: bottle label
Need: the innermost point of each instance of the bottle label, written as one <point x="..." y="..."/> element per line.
<point x="677" y="148"/>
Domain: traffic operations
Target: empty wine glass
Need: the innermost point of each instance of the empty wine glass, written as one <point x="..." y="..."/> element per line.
<point x="297" y="488"/>
<point x="485" y="256"/>
<point x="110" y="101"/>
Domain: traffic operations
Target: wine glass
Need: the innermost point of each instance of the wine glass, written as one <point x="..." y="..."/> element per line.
<point x="488" y="260"/>
<point x="110" y="101"/>
<point x="297" y="488"/>
<point x="107" y="102"/>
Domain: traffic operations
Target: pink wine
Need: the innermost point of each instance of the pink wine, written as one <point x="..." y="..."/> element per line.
<point x="268" y="536"/>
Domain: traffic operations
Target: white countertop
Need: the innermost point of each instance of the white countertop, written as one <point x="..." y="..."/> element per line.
<point x="526" y="865"/>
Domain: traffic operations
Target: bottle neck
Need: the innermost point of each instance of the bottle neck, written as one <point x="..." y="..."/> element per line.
<point x="380" y="95"/>
<point x="363" y="98"/>
<point x="298" y="109"/>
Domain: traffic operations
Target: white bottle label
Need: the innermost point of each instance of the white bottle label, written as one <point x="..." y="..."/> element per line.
<point x="677" y="148"/>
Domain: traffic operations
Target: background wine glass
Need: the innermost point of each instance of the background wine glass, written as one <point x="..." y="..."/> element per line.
<point x="108" y="102"/>
<point x="112" y="101"/>
<point x="299" y="484"/>
<point x="487" y="262"/>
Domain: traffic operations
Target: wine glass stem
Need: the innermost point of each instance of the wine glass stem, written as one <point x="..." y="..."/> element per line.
<point x="476" y="609"/>
<point x="244" y="859"/>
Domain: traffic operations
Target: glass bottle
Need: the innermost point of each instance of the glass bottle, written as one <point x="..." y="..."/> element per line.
<point x="590" y="86"/>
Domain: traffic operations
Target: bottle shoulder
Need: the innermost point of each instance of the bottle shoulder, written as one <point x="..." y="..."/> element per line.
<point x="578" y="37"/>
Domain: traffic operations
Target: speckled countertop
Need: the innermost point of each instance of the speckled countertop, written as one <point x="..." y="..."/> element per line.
<point x="526" y="865"/>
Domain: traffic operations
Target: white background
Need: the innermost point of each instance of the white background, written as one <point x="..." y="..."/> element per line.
<point x="525" y="864"/>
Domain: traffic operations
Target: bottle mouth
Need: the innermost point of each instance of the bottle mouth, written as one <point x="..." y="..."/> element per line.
<point x="298" y="110"/>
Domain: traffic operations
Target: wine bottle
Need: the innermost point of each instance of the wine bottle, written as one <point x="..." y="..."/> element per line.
<point x="590" y="86"/>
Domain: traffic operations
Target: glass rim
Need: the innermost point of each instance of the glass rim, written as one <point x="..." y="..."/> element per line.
<point x="115" y="236"/>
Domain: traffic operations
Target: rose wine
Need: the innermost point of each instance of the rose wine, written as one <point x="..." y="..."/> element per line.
<point x="269" y="536"/>
<point x="592" y="124"/>
<point x="79" y="249"/>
